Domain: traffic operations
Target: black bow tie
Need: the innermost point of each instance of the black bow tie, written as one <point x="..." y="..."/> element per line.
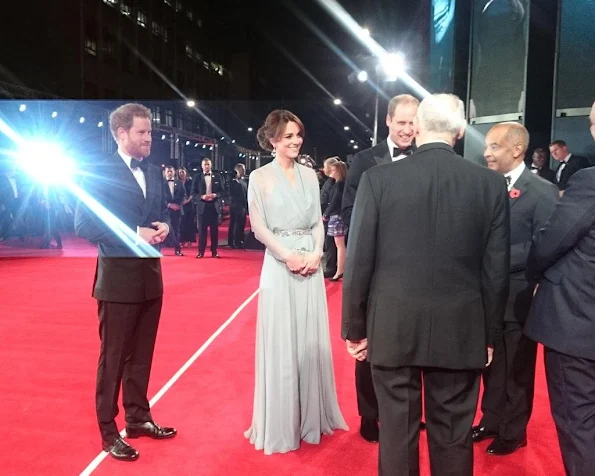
<point x="143" y="164"/>
<point x="207" y="175"/>
<point x="534" y="167"/>
<point x="398" y="151"/>
<point x="171" y="180"/>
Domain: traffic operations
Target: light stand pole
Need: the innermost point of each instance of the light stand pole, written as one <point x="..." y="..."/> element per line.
<point x="375" y="135"/>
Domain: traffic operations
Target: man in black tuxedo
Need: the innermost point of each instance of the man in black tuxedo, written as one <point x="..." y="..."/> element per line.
<point x="509" y="382"/>
<point x="569" y="163"/>
<point x="127" y="222"/>
<point x="398" y="145"/>
<point x="206" y="190"/>
<point x="174" y="196"/>
<point x="540" y="166"/>
<point x="562" y="319"/>
<point x="238" y="208"/>
<point x="425" y="288"/>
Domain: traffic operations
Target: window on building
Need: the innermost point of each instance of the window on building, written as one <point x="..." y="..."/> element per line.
<point x="199" y="23"/>
<point x="91" y="47"/>
<point x="197" y="57"/>
<point x="189" y="50"/>
<point x="169" y="118"/>
<point x="126" y="10"/>
<point x="157" y="29"/>
<point x="157" y="114"/>
<point x="178" y="6"/>
<point x="180" y="122"/>
<point x="141" y="19"/>
<point x="127" y="59"/>
<point x="190" y="15"/>
<point x="168" y="2"/>
<point x="165" y="35"/>
<point x="111" y="3"/>
<point x="109" y="49"/>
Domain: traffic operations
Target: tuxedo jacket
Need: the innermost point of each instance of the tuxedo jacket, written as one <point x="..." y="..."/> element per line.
<point x="532" y="201"/>
<point x="362" y="161"/>
<point x="427" y="273"/>
<point x="124" y="273"/>
<point x="562" y="257"/>
<point x="547" y="174"/>
<point x="199" y="188"/>
<point x="178" y="195"/>
<point x="574" y="164"/>
<point x="238" y="193"/>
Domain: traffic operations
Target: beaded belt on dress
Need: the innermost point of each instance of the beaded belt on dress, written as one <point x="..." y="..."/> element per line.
<point x="297" y="232"/>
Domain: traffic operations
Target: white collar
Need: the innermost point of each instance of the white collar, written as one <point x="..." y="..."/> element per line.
<point x="567" y="158"/>
<point x="515" y="173"/>
<point x="126" y="158"/>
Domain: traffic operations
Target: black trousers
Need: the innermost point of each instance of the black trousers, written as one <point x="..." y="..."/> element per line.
<point x="571" y="387"/>
<point x="330" y="252"/>
<point x="237" y="223"/>
<point x="367" y="404"/>
<point x="509" y="384"/>
<point x="175" y="218"/>
<point x="208" y="221"/>
<point x="450" y="398"/>
<point x="127" y="333"/>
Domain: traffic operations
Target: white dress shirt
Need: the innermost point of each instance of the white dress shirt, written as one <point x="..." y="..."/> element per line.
<point x="208" y="183"/>
<point x="561" y="167"/>
<point x="138" y="173"/>
<point x="514" y="174"/>
<point x="391" y="147"/>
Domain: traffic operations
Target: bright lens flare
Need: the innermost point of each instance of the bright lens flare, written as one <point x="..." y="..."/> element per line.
<point x="45" y="162"/>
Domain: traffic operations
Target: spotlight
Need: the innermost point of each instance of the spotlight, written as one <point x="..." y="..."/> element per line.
<point x="351" y="141"/>
<point x="250" y="129"/>
<point x="346" y="128"/>
<point x="191" y="103"/>
<point x="196" y="145"/>
<point x="393" y="65"/>
<point x="45" y="162"/>
<point x="337" y="102"/>
<point x="362" y="76"/>
<point x="233" y="141"/>
<point x="365" y="32"/>
<point x="162" y="136"/>
<point x="54" y="115"/>
<point x="81" y="120"/>
<point x="100" y="124"/>
<point x="356" y="146"/>
<point x="23" y="107"/>
<point x="204" y="146"/>
<point x="187" y="142"/>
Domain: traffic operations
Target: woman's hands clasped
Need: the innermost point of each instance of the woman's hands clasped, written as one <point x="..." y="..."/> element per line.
<point x="304" y="264"/>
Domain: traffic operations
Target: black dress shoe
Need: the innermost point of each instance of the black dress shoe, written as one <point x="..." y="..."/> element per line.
<point x="505" y="446"/>
<point x="480" y="433"/>
<point x="369" y="430"/>
<point x="179" y="253"/>
<point x="329" y="274"/>
<point x="215" y="255"/>
<point x="199" y="255"/>
<point x="150" y="429"/>
<point x="336" y="278"/>
<point x="422" y="426"/>
<point x="119" y="449"/>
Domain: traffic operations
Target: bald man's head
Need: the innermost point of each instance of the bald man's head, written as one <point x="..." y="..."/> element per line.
<point x="505" y="146"/>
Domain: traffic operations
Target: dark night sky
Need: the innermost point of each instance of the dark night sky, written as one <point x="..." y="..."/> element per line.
<point x="271" y="27"/>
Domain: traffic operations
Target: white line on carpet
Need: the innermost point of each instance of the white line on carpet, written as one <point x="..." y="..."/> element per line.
<point x="101" y="456"/>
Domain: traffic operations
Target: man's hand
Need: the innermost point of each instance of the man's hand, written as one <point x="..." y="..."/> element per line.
<point x="490" y="355"/>
<point x="173" y="206"/>
<point x="358" y="349"/>
<point x="311" y="264"/>
<point x="161" y="232"/>
<point x="148" y="235"/>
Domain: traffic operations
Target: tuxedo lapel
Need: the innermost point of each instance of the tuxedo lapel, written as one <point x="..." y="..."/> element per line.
<point x="521" y="186"/>
<point x="124" y="181"/>
<point x="383" y="155"/>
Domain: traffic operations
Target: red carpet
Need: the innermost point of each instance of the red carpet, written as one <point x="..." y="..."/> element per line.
<point x="48" y="353"/>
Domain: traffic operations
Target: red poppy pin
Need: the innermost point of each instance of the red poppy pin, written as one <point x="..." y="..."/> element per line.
<point x="514" y="193"/>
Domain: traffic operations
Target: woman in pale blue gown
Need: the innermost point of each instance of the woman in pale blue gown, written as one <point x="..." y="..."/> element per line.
<point x="294" y="397"/>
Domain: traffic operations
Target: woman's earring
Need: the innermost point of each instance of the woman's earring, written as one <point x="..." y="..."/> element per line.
<point x="274" y="152"/>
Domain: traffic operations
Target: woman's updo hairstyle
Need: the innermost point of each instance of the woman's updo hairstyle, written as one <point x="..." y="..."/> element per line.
<point x="274" y="125"/>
